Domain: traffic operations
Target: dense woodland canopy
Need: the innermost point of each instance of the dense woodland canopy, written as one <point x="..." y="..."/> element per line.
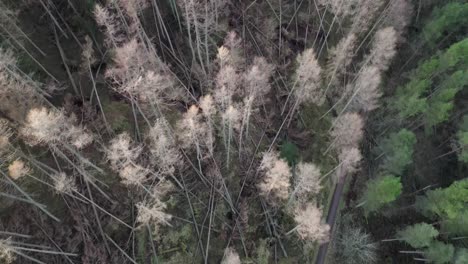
<point x="216" y="131"/>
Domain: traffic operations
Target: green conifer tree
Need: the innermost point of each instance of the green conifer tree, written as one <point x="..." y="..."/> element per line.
<point x="419" y="235"/>
<point x="381" y="191"/>
<point x="398" y="149"/>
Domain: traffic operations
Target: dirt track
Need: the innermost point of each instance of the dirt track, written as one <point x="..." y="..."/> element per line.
<point x="331" y="217"/>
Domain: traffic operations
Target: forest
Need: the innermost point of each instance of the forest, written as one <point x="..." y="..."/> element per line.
<point x="233" y="132"/>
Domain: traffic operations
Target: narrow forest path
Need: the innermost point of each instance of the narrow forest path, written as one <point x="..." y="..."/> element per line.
<point x="331" y="217"/>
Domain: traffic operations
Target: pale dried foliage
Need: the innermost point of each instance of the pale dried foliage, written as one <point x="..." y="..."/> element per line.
<point x="6" y="252"/>
<point x="108" y="21"/>
<point x="383" y="48"/>
<point x="7" y="59"/>
<point x="17" y="96"/>
<point x="7" y="154"/>
<point x="18" y="169"/>
<point x="63" y="183"/>
<point x="399" y="16"/>
<point x="366" y="87"/>
<point x="4" y="147"/>
<point x="307" y="79"/>
<point x="276" y="182"/>
<point x="231" y="257"/>
<point x="202" y="14"/>
<point x="227" y="79"/>
<point x="44" y="125"/>
<point x="123" y="156"/>
<point x="133" y="174"/>
<point x="153" y="214"/>
<point x="3" y="142"/>
<point x="309" y="223"/>
<point x="119" y="19"/>
<point x="122" y="152"/>
<point x="365" y="15"/>
<point x="132" y="7"/>
<point x="239" y="89"/>
<point x="248" y="109"/>
<point x="256" y="85"/>
<point x="163" y="146"/>
<point x="207" y="106"/>
<point x="5" y="129"/>
<point x="227" y="85"/>
<point x="163" y="187"/>
<point x="257" y="77"/>
<point x="341" y="56"/>
<point x="51" y="126"/>
<point x="235" y="81"/>
<point x="347" y="131"/>
<point x="130" y="60"/>
<point x="233" y="42"/>
<point x="17" y="93"/>
<point x="237" y="92"/>
<point x="139" y="75"/>
<point x="232" y="118"/>
<point x="137" y="71"/>
<point x="366" y="90"/>
<point x="87" y="54"/>
<point x="307" y="180"/>
<point x="223" y="55"/>
<point x="192" y="131"/>
<point x="209" y="110"/>
<point x="342" y="8"/>
<point x="78" y="137"/>
<point x="350" y="159"/>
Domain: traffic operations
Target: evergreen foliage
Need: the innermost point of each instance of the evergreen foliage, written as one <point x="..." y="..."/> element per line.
<point x="445" y="203"/>
<point x="461" y="256"/>
<point x="380" y="192"/>
<point x="398" y="149"/>
<point x="162" y="131"/>
<point x="462" y="137"/>
<point x="441" y="102"/>
<point x="290" y="152"/>
<point x="450" y="18"/>
<point x="419" y="235"/>
<point x="432" y="97"/>
<point x="439" y="252"/>
<point x="413" y="98"/>
<point x="262" y="254"/>
<point x="457" y="226"/>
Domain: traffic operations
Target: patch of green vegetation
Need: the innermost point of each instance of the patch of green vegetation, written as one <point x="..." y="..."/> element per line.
<point x="141" y="236"/>
<point x="450" y="18"/>
<point x="380" y="192"/>
<point x="419" y="235"/>
<point x="398" y="149"/>
<point x="439" y="252"/>
<point x="412" y="98"/>
<point x="445" y="203"/>
<point x="318" y="140"/>
<point x="262" y="254"/>
<point x="457" y="226"/>
<point x="441" y="102"/>
<point x="462" y="136"/>
<point x="461" y="256"/>
<point x="179" y="238"/>
<point x="290" y="152"/>
<point x="118" y="114"/>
